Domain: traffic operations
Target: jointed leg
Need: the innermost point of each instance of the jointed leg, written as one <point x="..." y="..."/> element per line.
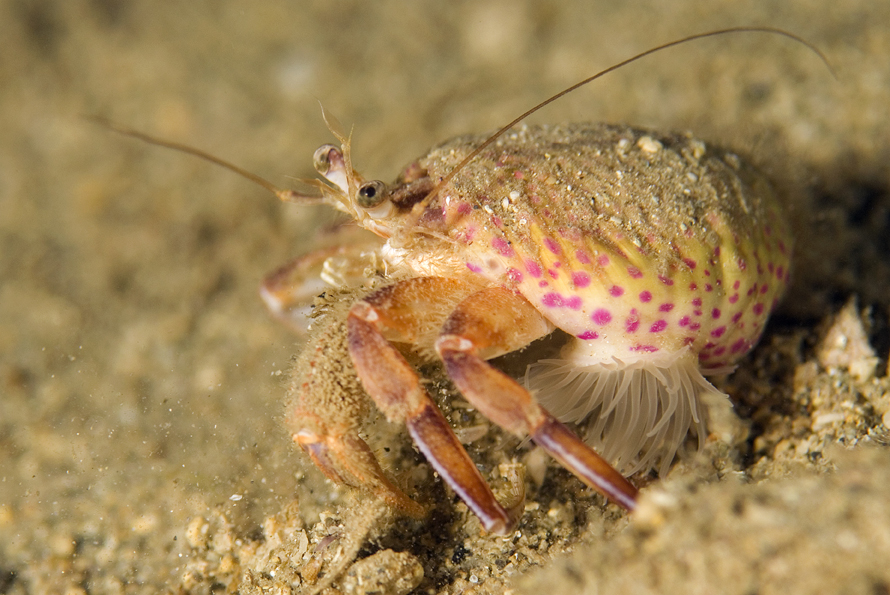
<point x="399" y="311"/>
<point x="495" y="321"/>
<point x="289" y="291"/>
<point x="326" y="408"/>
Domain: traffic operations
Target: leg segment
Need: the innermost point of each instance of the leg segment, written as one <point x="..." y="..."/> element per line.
<point x="402" y="312"/>
<point x="495" y="321"/>
<point x="289" y="291"/>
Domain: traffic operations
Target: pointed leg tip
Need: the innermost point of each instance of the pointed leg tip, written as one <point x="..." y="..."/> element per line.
<point x="500" y="527"/>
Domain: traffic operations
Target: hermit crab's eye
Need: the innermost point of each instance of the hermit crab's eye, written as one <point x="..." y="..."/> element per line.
<point x="322" y="158"/>
<point x="371" y="194"/>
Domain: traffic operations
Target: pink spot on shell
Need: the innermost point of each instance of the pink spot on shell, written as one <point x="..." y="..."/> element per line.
<point x="738" y="346"/>
<point x="733" y="298"/>
<point x="742" y="264"/>
<point x="543" y="284"/>
<point x="633" y="322"/>
<point x="574" y="302"/>
<point x="780" y="272"/>
<point x="717" y="251"/>
<point x="758" y="308"/>
<point x="552" y="300"/>
<point x="551" y="245"/>
<point x="602" y="260"/>
<point x="697" y="312"/>
<point x="645" y="296"/>
<point x="693" y="286"/>
<point x="601" y="316"/>
<point x="644" y="348"/>
<point x="616" y="291"/>
<point x="582" y="257"/>
<point x="709" y="287"/>
<point x="533" y="268"/>
<point x="503" y="247"/>
<point x="696" y="302"/>
<point x="684" y="321"/>
<point x="658" y="326"/>
<point x="581" y="279"/>
<point x="464" y="208"/>
<point x="715" y="313"/>
<point x="764" y="288"/>
<point x="718" y="332"/>
<point x="707" y="273"/>
<point x="736" y="317"/>
<point x="553" y="274"/>
<point x="690" y="263"/>
<point x="720" y="351"/>
<point x="694" y="326"/>
<point x="588" y="335"/>
<point x="665" y="280"/>
<point x="518" y="175"/>
<point x="514" y="275"/>
<point x="666" y="307"/>
<point x="497" y="221"/>
<point x="474" y="268"/>
<point x="688" y="340"/>
<point x="737" y="284"/>
<point x="634" y="272"/>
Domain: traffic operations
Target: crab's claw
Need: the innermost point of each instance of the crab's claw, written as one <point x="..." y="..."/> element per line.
<point x="347" y="459"/>
<point x="325" y="409"/>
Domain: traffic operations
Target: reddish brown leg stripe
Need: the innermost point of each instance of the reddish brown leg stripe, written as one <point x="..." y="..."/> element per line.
<point x="497" y="396"/>
<point x="502" y="400"/>
<point x="388" y="378"/>
<point x="394" y="386"/>
<point x="437" y="442"/>
<point x="574" y="455"/>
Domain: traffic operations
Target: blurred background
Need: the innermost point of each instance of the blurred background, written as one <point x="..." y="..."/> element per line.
<point x="141" y="380"/>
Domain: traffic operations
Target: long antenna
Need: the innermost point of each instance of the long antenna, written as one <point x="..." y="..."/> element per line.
<point x="420" y="206"/>
<point x="283" y="194"/>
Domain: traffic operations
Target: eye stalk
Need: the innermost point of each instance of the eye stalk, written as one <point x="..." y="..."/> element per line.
<point x="371" y="194"/>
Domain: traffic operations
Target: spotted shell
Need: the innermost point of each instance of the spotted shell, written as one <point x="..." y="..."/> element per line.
<point x="661" y="255"/>
<point x="628" y="239"/>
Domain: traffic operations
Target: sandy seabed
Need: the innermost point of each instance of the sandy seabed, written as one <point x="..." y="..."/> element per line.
<point x="142" y="448"/>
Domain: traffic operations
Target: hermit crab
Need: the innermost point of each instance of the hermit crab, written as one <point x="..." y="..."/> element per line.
<point x="659" y="255"/>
